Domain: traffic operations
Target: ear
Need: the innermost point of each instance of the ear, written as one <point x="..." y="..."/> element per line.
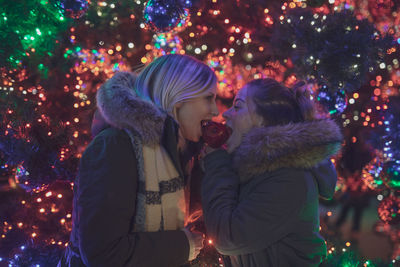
<point x="258" y="120"/>
<point x="175" y="109"/>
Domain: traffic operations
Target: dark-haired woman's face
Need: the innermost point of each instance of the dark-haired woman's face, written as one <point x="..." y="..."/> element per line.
<point x="241" y="117"/>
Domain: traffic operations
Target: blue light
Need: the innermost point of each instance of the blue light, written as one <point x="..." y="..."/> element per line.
<point x="22" y="247"/>
<point x="398" y="40"/>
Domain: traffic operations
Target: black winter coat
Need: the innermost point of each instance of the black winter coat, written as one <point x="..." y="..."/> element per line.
<point x="106" y="187"/>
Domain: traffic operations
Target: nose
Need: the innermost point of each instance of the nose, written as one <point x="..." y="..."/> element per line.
<point x="214" y="110"/>
<point x="226" y="114"/>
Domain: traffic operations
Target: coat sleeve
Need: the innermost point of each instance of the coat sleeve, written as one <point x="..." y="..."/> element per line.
<point x="107" y="185"/>
<point x="326" y="177"/>
<point x="257" y="220"/>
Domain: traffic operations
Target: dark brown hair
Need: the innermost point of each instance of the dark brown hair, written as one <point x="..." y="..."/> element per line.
<point x="278" y="104"/>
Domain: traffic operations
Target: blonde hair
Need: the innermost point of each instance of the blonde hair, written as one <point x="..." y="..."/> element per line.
<point x="172" y="79"/>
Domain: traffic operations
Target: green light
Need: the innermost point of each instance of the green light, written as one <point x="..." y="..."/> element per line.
<point x="43" y="70"/>
<point x="396" y="183"/>
<point x="40" y="19"/>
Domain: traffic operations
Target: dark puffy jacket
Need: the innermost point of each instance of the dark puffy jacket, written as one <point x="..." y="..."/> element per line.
<point x="264" y="212"/>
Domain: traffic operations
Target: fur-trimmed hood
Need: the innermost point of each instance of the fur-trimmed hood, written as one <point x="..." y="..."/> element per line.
<point x="297" y="145"/>
<point x="122" y="108"/>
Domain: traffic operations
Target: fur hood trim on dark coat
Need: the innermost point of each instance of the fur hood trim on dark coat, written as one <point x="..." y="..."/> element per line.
<point x="295" y="145"/>
<point x="121" y="107"/>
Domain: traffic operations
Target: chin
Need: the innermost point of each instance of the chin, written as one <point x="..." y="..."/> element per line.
<point x="198" y="136"/>
<point x="229" y="149"/>
<point x="194" y="138"/>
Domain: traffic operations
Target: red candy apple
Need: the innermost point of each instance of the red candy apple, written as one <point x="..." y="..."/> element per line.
<point x="215" y="134"/>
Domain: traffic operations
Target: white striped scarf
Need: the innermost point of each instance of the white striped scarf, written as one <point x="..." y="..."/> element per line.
<point x="160" y="197"/>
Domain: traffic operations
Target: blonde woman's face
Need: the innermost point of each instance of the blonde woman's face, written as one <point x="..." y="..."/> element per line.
<point x="191" y="113"/>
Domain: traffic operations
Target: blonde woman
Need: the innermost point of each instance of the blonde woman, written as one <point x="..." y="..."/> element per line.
<point x="129" y="204"/>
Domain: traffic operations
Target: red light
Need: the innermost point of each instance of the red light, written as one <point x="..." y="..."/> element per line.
<point x="377" y="92"/>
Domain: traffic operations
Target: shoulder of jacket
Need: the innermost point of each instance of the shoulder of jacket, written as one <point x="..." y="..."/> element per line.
<point x="112" y="133"/>
<point x="112" y="136"/>
<point x="288" y="174"/>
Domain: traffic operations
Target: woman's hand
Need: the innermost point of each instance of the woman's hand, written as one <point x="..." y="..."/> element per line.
<point x="196" y="241"/>
<point x="198" y="244"/>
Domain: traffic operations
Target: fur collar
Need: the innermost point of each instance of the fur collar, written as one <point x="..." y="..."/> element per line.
<point x="121" y="107"/>
<point x="296" y="145"/>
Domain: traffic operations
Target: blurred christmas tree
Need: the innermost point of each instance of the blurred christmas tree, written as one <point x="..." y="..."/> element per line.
<point x="56" y="53"/>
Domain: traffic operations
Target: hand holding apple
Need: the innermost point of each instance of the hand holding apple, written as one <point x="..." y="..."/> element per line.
<point x="215" y="134"/>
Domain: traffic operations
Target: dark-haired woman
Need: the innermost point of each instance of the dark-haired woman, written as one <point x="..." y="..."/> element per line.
<point x="260" y="196"/>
